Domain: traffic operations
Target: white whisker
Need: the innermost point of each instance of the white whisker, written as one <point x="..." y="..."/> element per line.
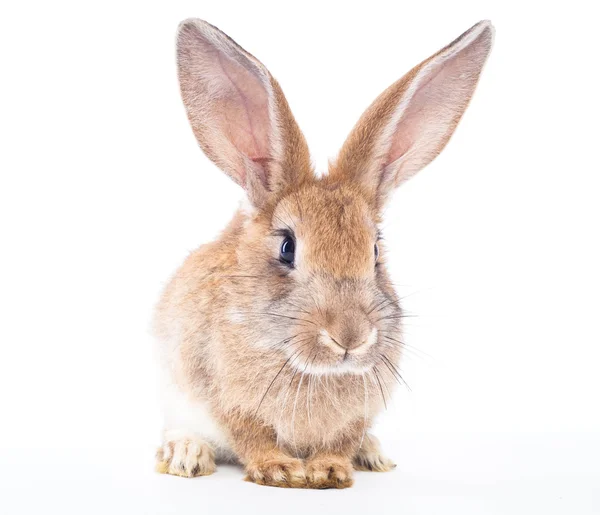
<point x="294" y="415"/>
<point x="365" y="414"/>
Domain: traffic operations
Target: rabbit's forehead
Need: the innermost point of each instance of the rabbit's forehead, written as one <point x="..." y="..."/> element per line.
<point x="335" y="230"/>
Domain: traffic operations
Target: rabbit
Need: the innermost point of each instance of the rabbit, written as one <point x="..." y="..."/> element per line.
<point x="280" y="341"/>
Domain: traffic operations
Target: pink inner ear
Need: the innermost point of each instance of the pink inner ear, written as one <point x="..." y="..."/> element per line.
<point x="227" y="96"/>
<point x="242" y="110"/>
<point x="238" y="112"/>
<point x="425" y="112"/>
<point x="434" y="109"/>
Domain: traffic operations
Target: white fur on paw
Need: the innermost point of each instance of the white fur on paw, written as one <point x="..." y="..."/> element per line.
<point x="186" y="457"/>
<point x="372" y="460"/>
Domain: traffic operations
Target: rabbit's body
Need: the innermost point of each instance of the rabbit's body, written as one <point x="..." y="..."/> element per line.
<point x="214" y="299"/>
<point x="280" y="340"/>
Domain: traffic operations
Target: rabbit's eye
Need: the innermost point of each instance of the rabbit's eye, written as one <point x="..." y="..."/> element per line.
<point x="376" y="252"/>
<point x="286" y="252"/>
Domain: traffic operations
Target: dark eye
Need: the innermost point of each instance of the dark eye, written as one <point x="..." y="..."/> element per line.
<point x="286" y="253"/>
<point x="376" y="252"/>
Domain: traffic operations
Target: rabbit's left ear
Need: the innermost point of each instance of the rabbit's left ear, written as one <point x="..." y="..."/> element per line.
<point x="409" y="124"/>
<point x="238" y="113"/>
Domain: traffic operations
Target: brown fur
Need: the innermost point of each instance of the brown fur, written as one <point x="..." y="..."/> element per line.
<point x="293" y="363"/>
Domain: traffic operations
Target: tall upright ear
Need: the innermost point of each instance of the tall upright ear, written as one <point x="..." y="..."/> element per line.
<point x="239" y="113"/>
<point x="409" y="124"/>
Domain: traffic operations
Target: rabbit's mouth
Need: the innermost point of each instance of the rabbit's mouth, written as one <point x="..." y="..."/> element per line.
<point x="333" y="356"/>
<point x="346" y="348"/>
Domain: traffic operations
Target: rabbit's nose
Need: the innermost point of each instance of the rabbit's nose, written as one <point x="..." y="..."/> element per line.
<point x="359" y="340"/>
<point x="350" y="333"/>
<point x="353" y="344"/>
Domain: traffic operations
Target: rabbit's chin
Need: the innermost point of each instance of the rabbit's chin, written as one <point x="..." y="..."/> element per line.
<point x="349" y="366"/>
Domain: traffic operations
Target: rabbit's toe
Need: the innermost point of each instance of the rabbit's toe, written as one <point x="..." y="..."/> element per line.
<point x="281" y="471"/>
<point x="187" y="457"/>
<point x="329" y="472"/>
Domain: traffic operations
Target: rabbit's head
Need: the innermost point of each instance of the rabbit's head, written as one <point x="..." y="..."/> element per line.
<point x="309" y="278"/>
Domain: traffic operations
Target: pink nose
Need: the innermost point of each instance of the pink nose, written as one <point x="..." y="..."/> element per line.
<point x="349" y="331"/>
<point x="351" y="341"/>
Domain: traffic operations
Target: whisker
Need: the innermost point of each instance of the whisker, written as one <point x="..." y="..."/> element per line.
<point x="296" y="404"/>
<point x="285" y="341"/>
<point x="405" y="345"/>
<point x="395" y="368"/>
<point x="288" y="389"/>
<point x="376" y="372"/>
<point x="385" y="333"/>
<point x="294" y="415"/>
<point x="395" y="372"/>
<point x="377" y="306"/>
<point x="293" y="377"/>
<point x="296" y="354"/>
<point x="365" y="414"/>
<point x="311" y="381"/>
<point x="392" y="372"/>
<point x="395" y="317"/>
<point x="391" y="302"/>
<point x="271" y="384"/>
<point x="405" y="351"/>
<point x="298" y="307"/>
<point x="257" y="313"/>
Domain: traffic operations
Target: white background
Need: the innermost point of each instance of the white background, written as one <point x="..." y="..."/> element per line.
<point x="495" y="246"/>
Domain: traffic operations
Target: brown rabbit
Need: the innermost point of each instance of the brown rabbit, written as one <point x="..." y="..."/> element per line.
<point x="280" y="340"/>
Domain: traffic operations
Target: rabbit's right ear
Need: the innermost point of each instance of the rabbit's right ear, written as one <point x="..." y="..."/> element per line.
<point x="239" y="113"/>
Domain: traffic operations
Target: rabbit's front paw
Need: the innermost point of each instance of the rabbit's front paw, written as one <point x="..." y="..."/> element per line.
<point x="280" y="470"/>
<point x="329" y="472"/>
<point x="187" y="457"/>
<point x="370" y="457"/>
<point x="373" y="461"/>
